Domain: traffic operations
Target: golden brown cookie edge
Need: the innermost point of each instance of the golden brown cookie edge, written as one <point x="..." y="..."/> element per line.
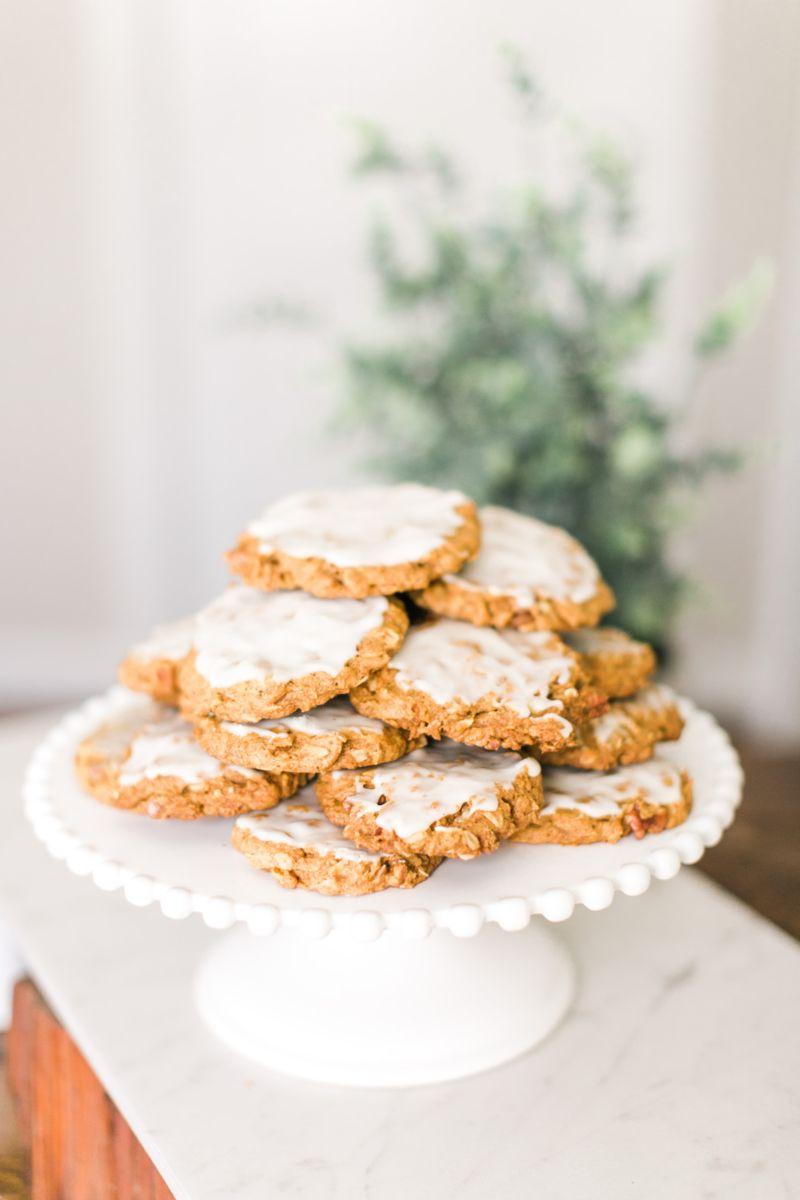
<point x="257" y="700"/>
<point x="167" y="796"/>
<point x="462" y="601"/>
<point x="569" y="827"/>
<point x="453" y="836"/>
<point x="278" y="571"/>
<point x="296" y="866"/>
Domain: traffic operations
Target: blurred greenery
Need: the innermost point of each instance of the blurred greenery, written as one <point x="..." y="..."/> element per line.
<point x="506" y="366"/>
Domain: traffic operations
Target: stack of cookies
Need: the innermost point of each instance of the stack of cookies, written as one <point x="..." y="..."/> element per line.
<point x="434" y="670"/>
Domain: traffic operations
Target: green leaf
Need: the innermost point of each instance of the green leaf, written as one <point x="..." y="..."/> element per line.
<point x="738" y="311"/>
<point x="612" y="171"/>
<point x="521" y="78"/>
<point x="375" y="153"/>
<point x="506" y="365"/>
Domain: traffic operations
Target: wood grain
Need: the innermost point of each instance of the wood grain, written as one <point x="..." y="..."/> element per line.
<point x="758" y="859"/>
<point x="80" y="1146"/>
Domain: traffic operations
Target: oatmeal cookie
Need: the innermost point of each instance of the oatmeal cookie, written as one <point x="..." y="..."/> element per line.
<point x="589" y="806"/>
<point x="366" y="541"/>
<point x="300" y="847"/>
<point x="333" y="735"/>
<point x="627" y="733"/>
<point x="499" y="689"/>
<point x="615" y="662"/>
<point x="152" y="666"/>
<point x="527" y="575"/>
<point x="268" y="654"/>
<point x="444" y="800"/>
<point x="150" y="763"/>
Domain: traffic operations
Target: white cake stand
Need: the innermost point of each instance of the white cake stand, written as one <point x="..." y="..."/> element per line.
<point x="373" y="990"/>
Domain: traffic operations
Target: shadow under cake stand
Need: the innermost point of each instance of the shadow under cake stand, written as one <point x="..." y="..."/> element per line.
<point x="404" y="987"/>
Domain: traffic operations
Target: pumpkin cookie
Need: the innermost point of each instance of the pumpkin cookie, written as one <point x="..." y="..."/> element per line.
<point x="299" y="846"/>
<point x="627" y="733"/>
<point x="527" y="575"/>
<point x="485" y="687"/>
<point x="366" y="541"/>
<point x="334" y="735"/>
<point x="589" y="806"/>
<point x="152" y="666"/>
<point x="150" y="763"/>
<point x="444" y="800"/>
<point x="267" y="654"/>
<point x="615" y="662"/>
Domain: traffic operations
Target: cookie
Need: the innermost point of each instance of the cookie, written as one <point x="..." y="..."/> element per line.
<point x="527" y="575"/>
<point x="152" y="666"/>
<point x="300" y="847"/>
<point x="627" y="733"/>
<point x="151" y="763"/>
<point x="334" y="735"/>
<point x="590" y="806"/>
<point x="444" y="800"/>
<point x="484" y="687"/>
<point x="366" y="541"/>
<point x="616" y="663"/>
<point x="268" y="654"/>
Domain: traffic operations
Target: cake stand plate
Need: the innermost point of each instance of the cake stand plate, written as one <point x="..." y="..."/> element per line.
<point x="371" y="990"/>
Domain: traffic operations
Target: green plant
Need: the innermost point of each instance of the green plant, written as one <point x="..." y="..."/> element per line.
<point x="506" y="367"/>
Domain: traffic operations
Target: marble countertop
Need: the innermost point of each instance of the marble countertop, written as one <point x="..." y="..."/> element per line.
<point x="676" y="1074"/>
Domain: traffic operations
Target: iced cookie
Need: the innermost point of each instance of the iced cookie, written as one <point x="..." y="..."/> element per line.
<point x="615" y="662"/>
<point x="589" y="806"/>
<point x="152" y="666"/>
<point x="268" y="654"/>
<point x="527" y="575"/>
<point x="365" y="541"/>
<point x="627" y="733"/>
<point x="485" y="687"/>
<point x="150" y="763"/>
<point x="334" y="735"/>
<point x="300" y="847"/>
<point x="444" y="800"/>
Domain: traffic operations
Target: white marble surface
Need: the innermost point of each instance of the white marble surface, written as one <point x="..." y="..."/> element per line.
<point x="675" y="1076"/>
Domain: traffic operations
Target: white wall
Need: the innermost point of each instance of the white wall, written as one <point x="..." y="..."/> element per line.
<point x="171" y="161"/>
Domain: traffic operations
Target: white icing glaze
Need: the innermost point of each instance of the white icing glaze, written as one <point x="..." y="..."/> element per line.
<point x="622" y="715"/>
<point x="602" y="640"/>
<point x="435" y="782"/>
<point x="114" y="740"/>
<point x="248" y="634"/>
<point x="337" y="716"/>
<point x="528" y="560"/>
<point x="172" y="641"/>
<point x="360" y="527"/>
<point x="602" y="793"/>
<point x="451" y="660"/>
<point x="301" y="824"/>
<point x="165" y="746"/>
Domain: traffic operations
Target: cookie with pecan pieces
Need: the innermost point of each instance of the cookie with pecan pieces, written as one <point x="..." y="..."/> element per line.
<point x="627" y="733"/>
<point x="499" y="689"/>
<point x="299" y="847"/>
<point x="364" y="541"/>
<point x="527" y="575"/>
<point x="331" y="736"/>
<point x="268" y="654"/>
<point x="152" y="666"/>
<point x="444" y="800"/>
<point x="592" y="806"/>
<point x="616" y="663"/>
<point x="149" y="762"/>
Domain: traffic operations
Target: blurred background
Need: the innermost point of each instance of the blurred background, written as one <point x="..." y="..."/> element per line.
<point x="175" y="178"/>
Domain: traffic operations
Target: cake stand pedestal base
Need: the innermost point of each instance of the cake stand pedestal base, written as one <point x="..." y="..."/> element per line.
<point x="385" y="1013"/>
